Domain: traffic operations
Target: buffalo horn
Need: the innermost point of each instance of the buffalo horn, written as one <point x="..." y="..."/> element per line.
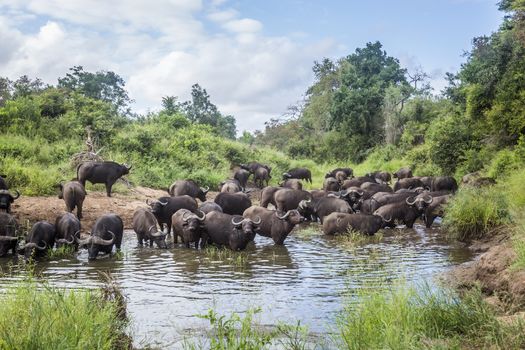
<point x="158" y="233"/>
<point x="128" y="167"/>
<point x="284" y="216"/>
<point x="382" y="218"/>
<point x="163" y="203"/>
<point x="258" y="221"/>
<point x="184" y="216"/>
<point x="86" y="241"/>
<point x="205" y="190"/>
<point x="41" y="248"/>
<point x="428" y="201"/>
<point x="236" y="223"/>
<point x="99" y="240"/>
<point x="409" y="202"/>
<point x="203" y="216"/>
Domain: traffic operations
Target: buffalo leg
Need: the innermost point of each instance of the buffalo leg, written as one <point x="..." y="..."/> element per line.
<point x="79" y="211"/>
<point x="108" y="188"/>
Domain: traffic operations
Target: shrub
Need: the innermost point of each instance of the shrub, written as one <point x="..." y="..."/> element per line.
<point x="473" y="212"/>
<point x="503" y="163"/>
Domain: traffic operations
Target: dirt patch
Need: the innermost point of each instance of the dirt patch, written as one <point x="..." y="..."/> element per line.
<point x="28" y="210"/>
<point x="492" y="272"/>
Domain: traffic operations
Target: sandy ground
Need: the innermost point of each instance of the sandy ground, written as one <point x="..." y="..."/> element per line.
<point x="28" y="210"/>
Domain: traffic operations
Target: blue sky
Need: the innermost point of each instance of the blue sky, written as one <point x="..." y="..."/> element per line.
<point x="253" y="57"/>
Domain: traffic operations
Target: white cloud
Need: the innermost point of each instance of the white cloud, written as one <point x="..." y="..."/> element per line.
<point x="162" y="49"/>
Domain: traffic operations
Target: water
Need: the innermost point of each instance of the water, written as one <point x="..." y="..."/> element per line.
<point x="307" y="279"/>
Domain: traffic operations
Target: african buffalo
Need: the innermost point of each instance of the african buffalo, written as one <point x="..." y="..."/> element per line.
<point x="233" y="203"/>
<point x="288" y="199"/>
<point x="406" y="211"/>
<point x="444" y="183"/>
<point x="331" y="184"/>
<point x="261" y="176"/>
<point x="3" y="183"/>
<point x="101" y="173"/>
<point x="380" y="199"/>
<point x="408" y="182"/>
<point x="341" y="222"/>
<point x="272" y="224"/>
<point x="375" y="187"/>
<point x="402" y="173"/>
<point x="253" y="166"/>
<point x="427" y="181"/>
<point x="298" y="173"/>
<point x="6" y="198"/>
<point x="165" y="207"/>
<point x="207" y="207"/>
<point x="267" y="195"/>
<point x="189" y="188"/>
<point x="189" y="227"/>
<point x="67" y="227"/>
<point x="107" y="231"/>
<point x="348" y="171"/>
<point x="435" y="209"/>
<point x="294" y="184"/>
<point x="340" y="176"/>
<point x="232" y="231"/>
<point x="356" y="182"/>
<point x="73" y="194"/>
<point x="242" y="176"/>
<point x="325" y="206"/>
<point x="380" y="177"/>
<point x="145" y="226"/>
<point x="40" y="239"/>
<point x="8" y="238"/>
<point x="230" y="186"/>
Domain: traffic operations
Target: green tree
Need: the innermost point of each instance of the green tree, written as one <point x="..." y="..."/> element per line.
<point x="170" y="105"/>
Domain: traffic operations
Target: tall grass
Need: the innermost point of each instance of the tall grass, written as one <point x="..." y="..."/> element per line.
<point x="408" y="318"/>
<point x="474" y="211"/>
<point x="37" y="316"/>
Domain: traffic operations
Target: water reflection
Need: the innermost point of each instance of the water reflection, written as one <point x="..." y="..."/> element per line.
<point x="305" y="279"/>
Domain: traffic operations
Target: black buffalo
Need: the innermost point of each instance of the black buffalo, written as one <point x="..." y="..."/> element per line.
<point x="273" y="225"/>
<point x="406" y="211"/>
<point x="233" y="203"/>
<point x="402" y="173"/>
<point x="242" y="176"/>
<point x="6" y="199"/>
<point x="40" y="239"/>
<point x="331" y="184"/>
<point x="207" y="207"/>
<point x="106" y="233"/>
<point x="444" y="183"/>
<point x="288" y="199"/>
<point x="101" y="173"/>
<point x="294" y="184"/>
<point x="375" y="187"/>
<point x="267" y="196"/>
<point x="67" y="228"/>
<point x="356" y="182"/>
<point x="232" y="231"/>
<point x="165" y="207"/>
<point x="188" y="188"/>
<point x="325" y="206"/>
<point x="253" y="166"/>
<point x="342" y="222"/>
<point x="348" y="171"/>
<point x="435" y="209"/>
<point x="73" y="194"/>
<point x="408" y="183"/>
<point x="261" y="176"/>
<point x="189" y="227"/>
<point x="230" y="186"/>
<point x="8" y="238"/>
<point x="145" y="226"/>
<point x="298" y="173"/>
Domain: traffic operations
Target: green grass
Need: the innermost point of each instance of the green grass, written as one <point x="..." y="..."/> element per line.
<point x="407" y="318"/>
<point x="64" y="252"/>
<point x="475" y="211"/>
<point x="38" y="316"/>
<point x="237" y="259"/>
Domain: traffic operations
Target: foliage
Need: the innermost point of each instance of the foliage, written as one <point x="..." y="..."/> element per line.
<point x="38" y="316"/>
<point x="410" y="318"/>
<point x="473" y="212"/>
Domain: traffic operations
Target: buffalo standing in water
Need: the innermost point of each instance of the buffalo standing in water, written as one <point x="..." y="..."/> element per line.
<point x="101" y="173"/>
<point x="73" y="194"/>
<point x="145" y="226"/>
<point x="40" y="239"/>
<point x="189" y="227"/>
<point x="341" y="222"/>
<point x="8" y="238"/>
<point x="165" y="207"/>
<point x="106" y="233"/>
<point x="273" y="225"/>
<point x="232" y="231"/>
<point x="67" y="228"/>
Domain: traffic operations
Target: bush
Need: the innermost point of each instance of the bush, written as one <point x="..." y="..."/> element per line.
<point x="503" y="163"/>
<point x="473" y="212"/>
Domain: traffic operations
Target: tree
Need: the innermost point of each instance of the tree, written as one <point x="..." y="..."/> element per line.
<point x="357" y="104"/>
<point x="201" y="110"/>
<point x="6" y="90"/>
<point x="170" y="105"/>
<point x="106" y="86"/>
<point x="24" y="86"/>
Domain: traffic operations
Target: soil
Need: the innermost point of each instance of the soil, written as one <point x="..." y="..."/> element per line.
<point x="491" y="271"/>
<point x="28" y="210"/>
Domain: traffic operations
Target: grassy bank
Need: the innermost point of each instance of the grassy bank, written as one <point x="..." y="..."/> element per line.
<point x="38" y="316"/>
<point x="399" y="318"/>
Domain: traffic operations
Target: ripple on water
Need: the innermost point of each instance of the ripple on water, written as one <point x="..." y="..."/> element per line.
<point x="304" y="279"/>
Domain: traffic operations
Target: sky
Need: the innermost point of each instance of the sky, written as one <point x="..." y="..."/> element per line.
<point x="254" y="57"/>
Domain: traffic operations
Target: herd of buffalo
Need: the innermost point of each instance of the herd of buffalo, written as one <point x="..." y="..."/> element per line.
<point x="364" y="203"/>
